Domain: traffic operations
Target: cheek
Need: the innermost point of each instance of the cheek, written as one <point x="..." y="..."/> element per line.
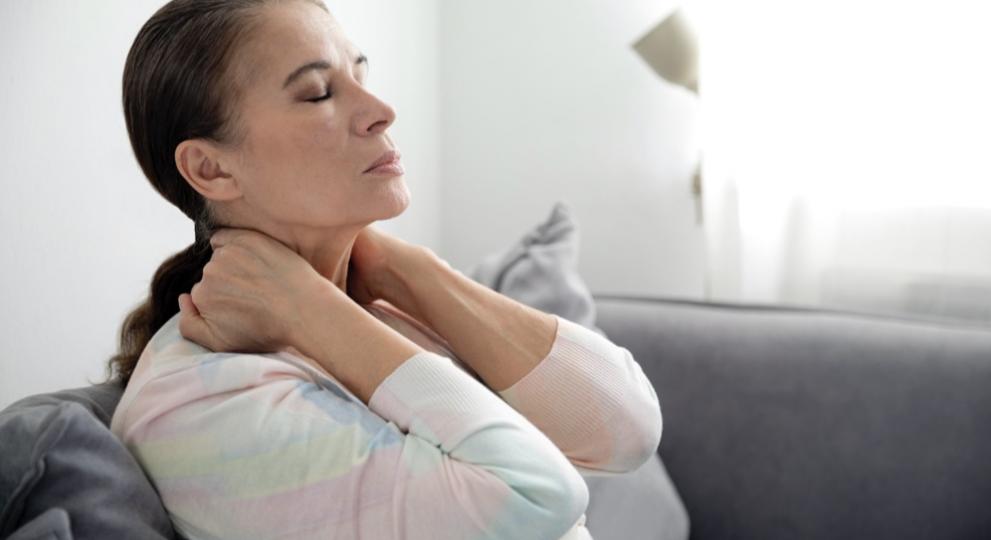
<point x="287" y="149"/>
<point x="301" y="164"/>
<point x="326" y="136"/>
<point x="321" y="150"/>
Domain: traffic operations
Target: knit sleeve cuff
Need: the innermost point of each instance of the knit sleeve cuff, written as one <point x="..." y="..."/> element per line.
<point x="429" y="394"/>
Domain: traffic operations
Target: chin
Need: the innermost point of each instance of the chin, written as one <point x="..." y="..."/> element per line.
<point x="399" y="200"/>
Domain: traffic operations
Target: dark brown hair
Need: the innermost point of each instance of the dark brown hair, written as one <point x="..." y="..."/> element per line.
<point x="181" y="82"/>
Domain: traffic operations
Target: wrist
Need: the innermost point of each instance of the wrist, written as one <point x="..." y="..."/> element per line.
<point x="315" y="312"/>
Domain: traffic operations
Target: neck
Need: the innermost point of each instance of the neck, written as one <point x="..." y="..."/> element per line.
<point x="328" y="255"/>
<point x="327" y="250"/>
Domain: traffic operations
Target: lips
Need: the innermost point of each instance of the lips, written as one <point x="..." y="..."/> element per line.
<point x="388" y="158"/>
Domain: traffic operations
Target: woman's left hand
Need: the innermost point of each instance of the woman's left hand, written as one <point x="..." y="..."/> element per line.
<point x="377" y="259"/>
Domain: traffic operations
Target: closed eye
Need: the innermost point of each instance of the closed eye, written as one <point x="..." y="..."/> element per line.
<point x="321" y="98"/>
<point x="329" y="94"/>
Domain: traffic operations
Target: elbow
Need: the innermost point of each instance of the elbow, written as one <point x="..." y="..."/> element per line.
<point x="578" y="500"/>
<point x="639" y="441"/>
<point x="628" y="438"/>
<point x="644" y="425"/>
<point x="649" y="440"/>
<point x="569" y="506"/>
<point x="553" y="504"/>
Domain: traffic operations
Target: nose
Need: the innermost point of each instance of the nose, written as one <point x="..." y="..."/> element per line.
<point x="374" y="115"/>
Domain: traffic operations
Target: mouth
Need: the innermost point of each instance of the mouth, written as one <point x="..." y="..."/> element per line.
<point x="387" y="163"/>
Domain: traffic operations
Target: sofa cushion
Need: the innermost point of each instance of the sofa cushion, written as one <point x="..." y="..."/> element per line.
<point x="541" y="271"/>
<point x="59" y="454"/>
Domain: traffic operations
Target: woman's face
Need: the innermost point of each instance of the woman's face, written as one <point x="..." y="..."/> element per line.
<point x="301" y="164"/>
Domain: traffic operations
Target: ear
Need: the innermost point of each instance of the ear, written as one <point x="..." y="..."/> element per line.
<point x="202" y="165"/>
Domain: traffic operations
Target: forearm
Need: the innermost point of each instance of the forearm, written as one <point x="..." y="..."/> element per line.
<point x="589" y="395"/>
<point x="501" y="339"/>
<point x="350" y="343"/>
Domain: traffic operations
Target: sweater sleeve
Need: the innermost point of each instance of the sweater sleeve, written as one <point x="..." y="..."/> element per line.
<point x="588" y="395"/>
<point x="244" y="446"/>
<point x="592" y="399"/>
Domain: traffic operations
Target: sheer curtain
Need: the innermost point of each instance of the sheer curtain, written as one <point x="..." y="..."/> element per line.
<point x="847" y="154"/>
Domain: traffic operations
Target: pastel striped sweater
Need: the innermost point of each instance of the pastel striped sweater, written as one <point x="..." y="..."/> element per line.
<point x="244" y="446"/>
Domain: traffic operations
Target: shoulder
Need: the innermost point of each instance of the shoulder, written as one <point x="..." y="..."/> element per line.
<point x="168" y="351"/>
<point x="173" y="371"/>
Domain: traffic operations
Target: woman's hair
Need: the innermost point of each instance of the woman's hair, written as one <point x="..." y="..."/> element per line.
<point x="181" y="82"/>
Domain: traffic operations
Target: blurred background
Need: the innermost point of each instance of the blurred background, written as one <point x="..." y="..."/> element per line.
<point x="785" y="152"/>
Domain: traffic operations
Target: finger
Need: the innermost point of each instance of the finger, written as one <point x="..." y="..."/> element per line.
<point x="190" y="323"/>
<point x="222" y="237"/>
<point x="187" y="299"/>
<point x="267" y="248"/>
<point x="243" y="237"/>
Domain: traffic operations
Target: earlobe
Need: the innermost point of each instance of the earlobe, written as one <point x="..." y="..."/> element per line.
<point x="197" y="162"/>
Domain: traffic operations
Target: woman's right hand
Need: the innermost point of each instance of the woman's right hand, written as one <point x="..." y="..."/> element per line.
<point x="252" y="295"/>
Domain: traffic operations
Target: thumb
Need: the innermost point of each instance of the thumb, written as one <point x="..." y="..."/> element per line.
<point x="191" y="324"/>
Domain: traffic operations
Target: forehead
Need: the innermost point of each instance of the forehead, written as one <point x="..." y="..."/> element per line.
<point x="291" y="34"/>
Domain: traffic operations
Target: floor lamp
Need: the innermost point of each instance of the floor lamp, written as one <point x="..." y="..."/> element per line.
<point x="672" y="51"/>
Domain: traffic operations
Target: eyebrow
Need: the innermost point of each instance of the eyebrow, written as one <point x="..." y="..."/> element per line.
<point x="317" y="64"/>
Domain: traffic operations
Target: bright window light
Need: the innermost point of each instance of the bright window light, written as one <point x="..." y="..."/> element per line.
<point x="855" y="104"/>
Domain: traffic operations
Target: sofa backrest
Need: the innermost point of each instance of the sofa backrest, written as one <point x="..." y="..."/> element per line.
<point x="795" y="423"/>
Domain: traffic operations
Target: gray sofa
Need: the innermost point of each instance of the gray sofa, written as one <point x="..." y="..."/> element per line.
<point x="778" y="423"/>
<point x="805" y="424"/>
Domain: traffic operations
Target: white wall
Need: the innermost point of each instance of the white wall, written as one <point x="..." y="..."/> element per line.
<point x="83" y="231"/>
<point x="503" y="108"/>
<point x="547" y="100"/>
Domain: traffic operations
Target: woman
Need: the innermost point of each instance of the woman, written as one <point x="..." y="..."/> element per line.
<point x="296" y="373"/>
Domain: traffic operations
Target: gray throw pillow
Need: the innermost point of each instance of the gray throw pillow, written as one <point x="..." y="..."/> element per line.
<point x="541" y="271"/>
<point x="52" y="524"/>
<point x="64" y="469"/>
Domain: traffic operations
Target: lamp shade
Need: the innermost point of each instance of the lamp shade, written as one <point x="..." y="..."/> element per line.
<point x="671" y="49"/>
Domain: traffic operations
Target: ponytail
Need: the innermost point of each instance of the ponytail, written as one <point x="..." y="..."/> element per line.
<point x="175" y="276"/>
